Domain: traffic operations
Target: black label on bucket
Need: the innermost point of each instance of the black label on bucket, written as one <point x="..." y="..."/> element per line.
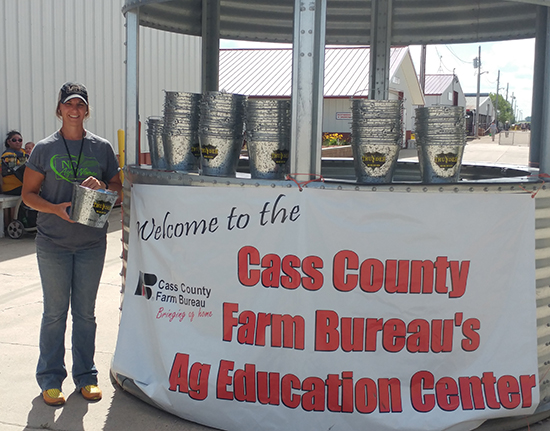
<point x="280" y="157"/>
<point x="209" y="152"/>
<point x="196" y="151"/>
<point x="446" y="160"/>
<point x="102" y="207"/>
<point x="374" y="160"/>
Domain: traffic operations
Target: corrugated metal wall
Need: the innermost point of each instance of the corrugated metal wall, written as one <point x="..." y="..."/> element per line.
<point x="47" y="42"/>
<point x="542" y="256"/>
<point x="414" y="22"/>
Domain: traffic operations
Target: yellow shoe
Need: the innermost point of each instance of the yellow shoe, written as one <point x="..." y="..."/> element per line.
<point x="53" y="397"/>
<point x="91" y="392"/>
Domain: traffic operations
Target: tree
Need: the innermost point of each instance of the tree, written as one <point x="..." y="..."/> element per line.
<point x="504" y="109"/>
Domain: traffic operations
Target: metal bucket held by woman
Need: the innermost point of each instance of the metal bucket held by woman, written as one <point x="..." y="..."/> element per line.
<point x="440" y="140"/>
<point x="156" y="146"/>
<point x="268" y="138"/>
<point x="91" y="207"/>
<point x="376" y="139"/>
<point x="180" y="132"/>
<point x="221" y="132"/>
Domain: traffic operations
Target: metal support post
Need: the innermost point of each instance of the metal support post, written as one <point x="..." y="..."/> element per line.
<point x="210" y="45"/>
<point x="131" y="138"/>
<point x="538" y="87"/>
<point x="545" y="123"/>
<point x="380" y="44"/>
<point x="308" y="59"/>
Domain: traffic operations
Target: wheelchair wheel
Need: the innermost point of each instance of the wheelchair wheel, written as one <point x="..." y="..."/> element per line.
<point x="16" y="229"/>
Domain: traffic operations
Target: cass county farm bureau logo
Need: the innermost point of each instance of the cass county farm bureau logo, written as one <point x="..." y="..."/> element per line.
<point x="145" y="282"/>
<point x="167" y="292"/>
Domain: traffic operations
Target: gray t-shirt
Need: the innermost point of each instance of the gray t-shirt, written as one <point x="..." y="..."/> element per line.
<point x="50" y="158"/>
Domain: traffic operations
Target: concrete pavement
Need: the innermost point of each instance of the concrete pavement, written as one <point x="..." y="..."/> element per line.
<point x="22" y="408"/>
<point x="484" y="150"/>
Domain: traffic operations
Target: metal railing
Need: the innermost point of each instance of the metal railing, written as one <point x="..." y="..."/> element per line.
<point x="514" y="137"/>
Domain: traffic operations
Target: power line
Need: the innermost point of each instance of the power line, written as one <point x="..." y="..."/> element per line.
<point x="441" y="64"/>
<point x="489" y="81"/>
<point x="458" y="58"/>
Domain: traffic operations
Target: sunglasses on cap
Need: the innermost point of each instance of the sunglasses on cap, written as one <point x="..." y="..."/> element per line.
<point x="16" y="140"/>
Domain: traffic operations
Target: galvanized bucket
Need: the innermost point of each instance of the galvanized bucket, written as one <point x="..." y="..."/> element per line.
<point x="91" y="207"/>
<point x="440" y="113"/>
<point x="440" y="139"/>
<point x="440" y="163"/>
<point x="377" y="136"/>
<point x="156" y="146"/>
<point x="375" y="163"/>
<point x="221" y="132"/>
<point x="180" y="132"/>
<point x="268" y="138"/>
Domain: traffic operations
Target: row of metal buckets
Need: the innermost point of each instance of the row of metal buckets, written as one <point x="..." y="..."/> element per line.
<point x="377" y="137"/>
<point x="205" y="133"/>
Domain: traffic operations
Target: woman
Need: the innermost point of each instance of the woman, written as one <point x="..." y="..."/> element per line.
<point x="13" y="161"/>
<point x="70" y="255"/>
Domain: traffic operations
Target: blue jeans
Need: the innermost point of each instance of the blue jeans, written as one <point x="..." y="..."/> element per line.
<point x="68" y="277"/>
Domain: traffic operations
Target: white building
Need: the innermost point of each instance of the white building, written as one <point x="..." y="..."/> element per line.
<point x="48" y="42"/>
<point x="443" y="90"/>
<point x="486" y="111"/>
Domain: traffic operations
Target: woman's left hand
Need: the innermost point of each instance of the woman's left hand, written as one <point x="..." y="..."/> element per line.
<point x="93" y="183"/>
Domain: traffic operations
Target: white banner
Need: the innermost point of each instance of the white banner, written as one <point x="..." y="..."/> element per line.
<point x="277" y="309"/>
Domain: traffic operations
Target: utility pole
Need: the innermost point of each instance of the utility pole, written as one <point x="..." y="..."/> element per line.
<point x="507" y="84"/>
<point x="496" y="101"/>
<point x="423" y="68"/>
<point x="477" y="63"/>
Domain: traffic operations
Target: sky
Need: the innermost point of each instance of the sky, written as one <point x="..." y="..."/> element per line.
<point x="514" y="59"/>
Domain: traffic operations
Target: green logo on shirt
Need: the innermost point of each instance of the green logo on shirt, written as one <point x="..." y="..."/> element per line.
<point x="64" y="169"/>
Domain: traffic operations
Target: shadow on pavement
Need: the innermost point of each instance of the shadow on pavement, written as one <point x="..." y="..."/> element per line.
<point x="71" y="418"/>
<point x="130" y="413"/>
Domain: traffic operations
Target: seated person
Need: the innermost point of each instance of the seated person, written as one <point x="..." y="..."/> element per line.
<point x="13" y="165"/>
<point x="13" y="161"/>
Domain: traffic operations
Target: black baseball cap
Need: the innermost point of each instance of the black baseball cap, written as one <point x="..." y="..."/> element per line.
<point x="70" y="90"/>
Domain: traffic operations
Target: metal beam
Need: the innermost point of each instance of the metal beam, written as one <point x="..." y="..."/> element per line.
<point x="538" y="88"/>
<point x="210" y="45"/>
<point x="131" y="135"/>
<point x="308" y="59"/>
<point x="538" y="2"/>
<point x="379" y="74"/>
<point x="545" y="123"/>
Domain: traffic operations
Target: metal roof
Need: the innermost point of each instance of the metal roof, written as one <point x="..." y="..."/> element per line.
<point x="268" y="72"/>
<point x="436" y="84"/>
<point x="258" y="72"/>
<point x="471" y="101"/>
<point x="349" y="21"/>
